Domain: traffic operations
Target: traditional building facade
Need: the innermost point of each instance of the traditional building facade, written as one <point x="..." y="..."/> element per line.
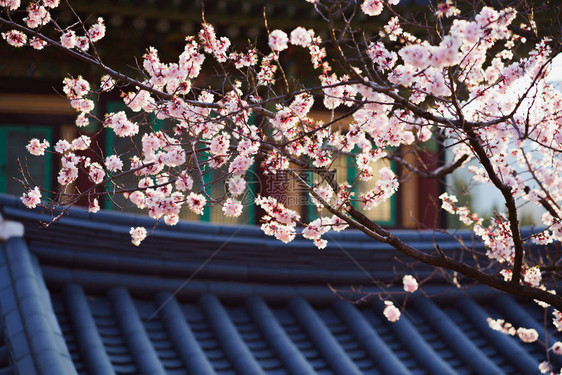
<point x="32" y="103"/>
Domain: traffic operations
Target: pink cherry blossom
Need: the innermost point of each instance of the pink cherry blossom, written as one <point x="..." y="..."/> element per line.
<point x="76" y="88"/>
<point x="381" y="57"/>
<point x="277" y="211"/>
<point x="96" y="173"/>
<point x="15" y="38"/>
<point x="37" y="15"/>
<point x="267" y="72"/>
<point x="275" y="162"/>
<point x="219" y="144"/>
<point x="410" y="283"/>
<point x="391" y="312"/>
<point x="502" y="326"/>
<point x="372" y="7"/>
<point x="37" y="43"/>
<point x="527" y="335"/>
<point x="113" y="163"/>
<point x="138" y="199"/>
<point x="10" y="4"/>
<point x="557" y="348"/>
<point x="138" y="234"/>
<point x="533" y="276"/>
<point x="557" y="320"/>
<point x="325" y="192"/>
<point x="236" y="185"/>
<point x="171" y="219"/>
<point x="68" y="39"/>
<point x="315" y="229"/>
<point x="97" y="31"/>
<point x="284" y="233"/>
<point x="184" y="182"/>
<point x="70" y="159"/>
<point x="240" y="165"/>
<point x="138" y="101"/>
<point x="196" y="202"/>
<point x="448" y="202"/>
<point x="217" y="46"/>
<point x="320" y="243"/>
<point x="121" y="125"/>
<point x="208" y="37"/>
<point x="67" y="175"/>
<point x="82" y="43"/>
<point x="81" y="143"/>
<point x="247" y="59"/>
<point x="393" y="29"/>
<point x="338" y="224"/>
<point x="82" y="105"/>
<point x="51" y="3"/>
<point x="301" y="37"/>
<point x="82" y="120"/>
<point x="94" y="206"/>
<point x="36" y="147"/>
<point x="278" y="40"/>
<point x="31" y="198"/>
<point x="62" y="146"/>
<point x="107" y="83"/>
<point x="384" y="189"/>
<point x="447" y="9"/>
<point x="545" y="367"/>
<point x="416" y="55"/>
<point x="232" y="208"/>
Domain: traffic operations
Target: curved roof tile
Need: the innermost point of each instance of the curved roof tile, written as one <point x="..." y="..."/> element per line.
<point x="79" y="299"/>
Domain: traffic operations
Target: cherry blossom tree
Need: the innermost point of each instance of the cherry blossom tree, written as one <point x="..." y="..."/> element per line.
<point x="472" y="78"/>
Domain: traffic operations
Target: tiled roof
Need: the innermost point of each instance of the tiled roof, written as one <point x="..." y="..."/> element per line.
<point x="77" y="298"/>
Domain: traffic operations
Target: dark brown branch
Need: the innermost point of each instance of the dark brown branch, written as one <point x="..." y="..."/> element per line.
<point x="441" y="260"/>
<point x="505" y="190"/>
<point x="527" y="34"/>
<point x="437" y="173"/>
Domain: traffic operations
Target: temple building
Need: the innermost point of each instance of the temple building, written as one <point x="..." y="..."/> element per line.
<point x="32" y="104"/>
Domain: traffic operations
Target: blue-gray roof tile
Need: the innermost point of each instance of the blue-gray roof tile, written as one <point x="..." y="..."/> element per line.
<point x="79" y="299"/>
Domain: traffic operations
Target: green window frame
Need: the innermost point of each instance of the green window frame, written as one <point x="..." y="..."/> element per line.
<point x="351" y="174"/>
<point x="250" y="209"/>
<point x="115" y="106"/>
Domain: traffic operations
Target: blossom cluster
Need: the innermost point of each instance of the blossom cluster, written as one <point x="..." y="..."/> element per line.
<point x="137" y="235"/>
<point x="36" y="147"/>
<point x="377" y="125"/>
<point x="466" y="86"/>
<point x="38" y="15"/>
<point x="527" y="335"/>
<point x="280" y="221"/>
<point x="32" y="198"/>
